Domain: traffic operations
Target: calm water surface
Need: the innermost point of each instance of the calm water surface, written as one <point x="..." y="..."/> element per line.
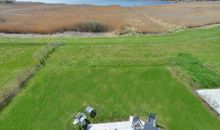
<point x="107" y="2"/>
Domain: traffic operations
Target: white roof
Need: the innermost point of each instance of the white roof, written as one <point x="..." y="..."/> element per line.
<point x="123" y="125"/>
<point x="212" y="97"/>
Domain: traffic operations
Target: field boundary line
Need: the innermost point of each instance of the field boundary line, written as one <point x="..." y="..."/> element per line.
<point x="182" y="78"/>
<point x="10" y="90"/>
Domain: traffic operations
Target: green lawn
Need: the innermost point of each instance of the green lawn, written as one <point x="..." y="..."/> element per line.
<point x="121" y="76"/>
<point x="13" y="60"/>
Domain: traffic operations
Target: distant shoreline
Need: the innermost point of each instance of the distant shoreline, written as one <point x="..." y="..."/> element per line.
<point x="83" y="34"/>
<point x="40" y="18"/>
<point x="151" y="3"/>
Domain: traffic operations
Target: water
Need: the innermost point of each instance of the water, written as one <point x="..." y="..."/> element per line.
<point x="126" y="3"/>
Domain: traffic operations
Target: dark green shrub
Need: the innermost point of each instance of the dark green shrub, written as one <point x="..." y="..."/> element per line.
<point x="2" y="20"/>
<point x="91" y="27"/>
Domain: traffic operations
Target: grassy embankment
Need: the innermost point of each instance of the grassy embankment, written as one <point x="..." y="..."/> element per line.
<point x="122" y="76"/>
<point x="12" y="62"/>
<point x="14" y="59"/>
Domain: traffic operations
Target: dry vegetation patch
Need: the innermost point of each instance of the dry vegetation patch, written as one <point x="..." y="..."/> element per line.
<point x="43" y="18"/>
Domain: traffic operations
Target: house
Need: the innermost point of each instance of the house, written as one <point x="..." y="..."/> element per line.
<point x="134" y="123"/>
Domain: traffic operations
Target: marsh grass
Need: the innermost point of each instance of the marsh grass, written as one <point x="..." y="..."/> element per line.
<point x="128" y="30"/>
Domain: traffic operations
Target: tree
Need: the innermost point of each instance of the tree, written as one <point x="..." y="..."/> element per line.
<point x="7" y="1"/>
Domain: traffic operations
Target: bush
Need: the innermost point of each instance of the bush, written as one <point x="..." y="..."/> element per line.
<point x="2" y="20"/>
<point x="91" y="27"/>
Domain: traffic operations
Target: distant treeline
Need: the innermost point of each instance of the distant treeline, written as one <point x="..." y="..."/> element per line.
<point x="7" y="1"/>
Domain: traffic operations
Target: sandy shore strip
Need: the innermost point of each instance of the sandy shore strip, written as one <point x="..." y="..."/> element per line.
<point x="211" y="97"/>
<point x="57" y="35"/>
<point x="88" y="34"/>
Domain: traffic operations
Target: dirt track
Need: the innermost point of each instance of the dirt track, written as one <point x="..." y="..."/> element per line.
<point x="43" y="18"/>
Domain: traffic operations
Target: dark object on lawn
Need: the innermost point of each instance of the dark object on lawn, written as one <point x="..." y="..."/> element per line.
<point x="137" y="124"/>
<point x="151" y="123"/>
<point x="82" y="121"/>
<point x="91" y="111"/>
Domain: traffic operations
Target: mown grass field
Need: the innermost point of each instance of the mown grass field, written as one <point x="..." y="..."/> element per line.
<point x="122" y="76"/>
<point x="14" y="59"/>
